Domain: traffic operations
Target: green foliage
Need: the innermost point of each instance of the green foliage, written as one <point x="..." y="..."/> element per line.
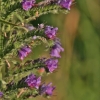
<point x="14" y="34"/>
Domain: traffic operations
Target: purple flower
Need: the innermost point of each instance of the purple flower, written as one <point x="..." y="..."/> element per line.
<point x="33" y="81"/>
<point x="27" y="4"/>
<point x="30" y="27"/>
<point x="50" y="32"/>
<point x="40" y="26"/>
<point x="46" y="89"/>
<point x="65" y="3"/>
<point x="26" y="49"/>
<point x="56" y="49"/>
<point x="34" y="37"/>
<point x="51" y="64"/>
<point x="23" y="52"/>
<point x="1" y="94"/>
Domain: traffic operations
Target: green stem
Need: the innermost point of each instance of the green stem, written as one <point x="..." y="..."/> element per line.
<point x="1" y="20"/>
<point x="42" y="11"/>
<point x="46" y="2"/>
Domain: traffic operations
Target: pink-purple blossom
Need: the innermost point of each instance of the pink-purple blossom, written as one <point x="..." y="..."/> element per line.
<point x="1" y="94"/>
<point x="27" y="4"/>
<point x="23" y="52"/>
<point x="50" y="32"/>
<point x="26" y="49"/>
<point x="65" y="3"/>
<point x="56" y="49"/>
<point x="41" y="26"/>
<point x="46" y="89"/>
<point x="51" y="64"/>
<point x="33" y="81"/>
<point x="29" y="27"/>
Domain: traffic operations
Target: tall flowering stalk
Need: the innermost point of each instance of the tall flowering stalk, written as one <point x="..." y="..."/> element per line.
<point x="21" y="73"/>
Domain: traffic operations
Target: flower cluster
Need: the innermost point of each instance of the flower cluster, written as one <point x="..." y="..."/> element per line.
<point x="33" y="81"/>
<point x="27" y="4"/>
<point x="42" y="64"/>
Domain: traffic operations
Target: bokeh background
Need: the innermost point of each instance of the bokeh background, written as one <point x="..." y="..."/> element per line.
<point x="78" y="75"/>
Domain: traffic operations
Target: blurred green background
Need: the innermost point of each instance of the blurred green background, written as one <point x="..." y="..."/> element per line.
<point x="78" y="75"/>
